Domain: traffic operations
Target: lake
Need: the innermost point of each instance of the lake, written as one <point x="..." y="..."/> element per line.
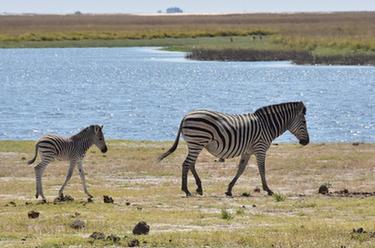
<point x="142" y="93"/>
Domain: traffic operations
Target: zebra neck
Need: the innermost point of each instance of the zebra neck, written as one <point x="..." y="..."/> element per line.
<point x="84" y="140"/>
<point x="276" y="124"/>
<point x="85" y="144"/>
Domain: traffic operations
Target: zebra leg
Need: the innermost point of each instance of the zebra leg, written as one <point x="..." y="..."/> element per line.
<point x="199" y="189"/>
<point x="241" y="167"/>
<point x="39" y="169"/>
<point x="68" y="176"/>
<point x="188" y="164"/>
<point x="261" y="157"/>
<point x="83" y="179"/>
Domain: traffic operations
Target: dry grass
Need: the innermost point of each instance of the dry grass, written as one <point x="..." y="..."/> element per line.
<point x="128" y="174"/>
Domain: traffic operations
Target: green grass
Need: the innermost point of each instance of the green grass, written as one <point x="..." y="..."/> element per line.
<point x="129" y="174"/>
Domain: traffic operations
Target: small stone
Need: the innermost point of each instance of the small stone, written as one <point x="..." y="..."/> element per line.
<point x="359" y="230"/>
<point x="33" y="214"/>
<point x="141" y="228"/>
<point x="139" y="208"/>
<point x="97" y="235"/>
<point x="114" y="238"/>
<point x="107" y="199"/>
<point x="28" y="203"/>
<point x="23" y="158"/>
<point x="254" y="206"/>
<point x="133" y="243"/>
<point x="323" y="189"/>
<point x="257" y="190"/>
<point x="11" y="204"/>
<point x="127" y="203"/>
<point x="78" y="224"/>
<point x="355" y="144"/>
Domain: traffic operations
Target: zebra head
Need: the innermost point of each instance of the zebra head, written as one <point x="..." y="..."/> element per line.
<point x="298" y="125"/>
<point x="99" y="140"/>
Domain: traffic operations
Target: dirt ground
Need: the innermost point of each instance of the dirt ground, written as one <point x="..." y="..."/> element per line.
<point x="143" y="190"/>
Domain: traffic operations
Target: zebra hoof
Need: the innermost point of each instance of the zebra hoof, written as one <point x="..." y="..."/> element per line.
<point x="199" y="191"/>
<point x="269" y="192"/>
<point x="228" y="193"/>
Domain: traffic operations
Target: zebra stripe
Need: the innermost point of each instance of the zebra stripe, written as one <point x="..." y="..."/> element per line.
<point x="73" y="149"/>
<point x="232" y="135"/>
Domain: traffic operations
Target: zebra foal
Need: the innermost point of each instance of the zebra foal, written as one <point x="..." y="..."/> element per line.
<point x="230" y="135"/>
<point x="73" y="149"/>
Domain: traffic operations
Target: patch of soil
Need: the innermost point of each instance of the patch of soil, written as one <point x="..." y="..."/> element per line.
<point x="78" y="224"/>
<point x="108" y="199"/>
<point x="33" y="214"/>
<point x="97" y="235"/>
<point x="114" y="238"/>
<point x="133" y="243"/>
<point x="141" y="228"/>
<point x="63" y="198"/>
<point x="347" y="193"/>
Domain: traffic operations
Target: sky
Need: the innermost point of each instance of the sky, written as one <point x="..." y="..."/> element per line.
<point x="189" y="6"/>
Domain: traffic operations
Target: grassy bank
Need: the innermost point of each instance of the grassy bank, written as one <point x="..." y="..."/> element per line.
<point x="143" y="190"/>
<point x="315" y="38"/>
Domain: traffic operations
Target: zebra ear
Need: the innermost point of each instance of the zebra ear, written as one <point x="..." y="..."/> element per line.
<point x="96" y="129"/>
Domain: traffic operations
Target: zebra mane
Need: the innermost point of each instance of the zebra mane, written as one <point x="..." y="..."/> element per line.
<point x="84" y="132"/>
<point x="272" y="109"/>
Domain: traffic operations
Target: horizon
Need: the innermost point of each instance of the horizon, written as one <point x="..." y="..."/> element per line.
<point x="188" y="7"/>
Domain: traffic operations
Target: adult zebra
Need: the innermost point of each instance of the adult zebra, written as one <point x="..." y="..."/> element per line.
<point x="229" y="135"/>
<point x="71" y="149"/>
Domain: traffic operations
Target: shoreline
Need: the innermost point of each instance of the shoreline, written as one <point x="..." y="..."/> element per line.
<point x="306" y="38"/>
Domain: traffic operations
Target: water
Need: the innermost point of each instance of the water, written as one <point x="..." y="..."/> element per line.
<point x="142" y="93"/>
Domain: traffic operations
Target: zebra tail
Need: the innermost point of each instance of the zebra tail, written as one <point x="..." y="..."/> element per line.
<point x="36" y="154"/>
<point x="174" y="146"/>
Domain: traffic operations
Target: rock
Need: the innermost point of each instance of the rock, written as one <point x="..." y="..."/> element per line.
<point x="28" y="203"/>
<point x="78" y="224"/>
<point x="127" y="203"/>
<point x="355" y="144"/>
<point x="359" y="230"/>
<point x="97" y="235"/>
<point x="257" y="190"/>
<point x="141" y="228"/>
<point x="245" y="194"/>
<point x="107" y="199"/>
<point x="33" y="214"/>
<point x="23" y="158"/>
<point x="133" y="243"/>
<point x="254" y="206"/>
<point x="114" y="238"/>
<point x="323" y="189"/>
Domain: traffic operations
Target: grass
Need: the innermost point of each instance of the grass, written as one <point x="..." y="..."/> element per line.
<point x="129" y="174"/>
<point x="323" y="38"/>
<point x="278" y="197"/>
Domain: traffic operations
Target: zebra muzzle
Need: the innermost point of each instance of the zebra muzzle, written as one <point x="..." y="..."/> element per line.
<point x="104" y="150"/>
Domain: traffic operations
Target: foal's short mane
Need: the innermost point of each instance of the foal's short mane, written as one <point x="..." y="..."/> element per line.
<point x="271" y="109"/>
<point x="82" y="132"/>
